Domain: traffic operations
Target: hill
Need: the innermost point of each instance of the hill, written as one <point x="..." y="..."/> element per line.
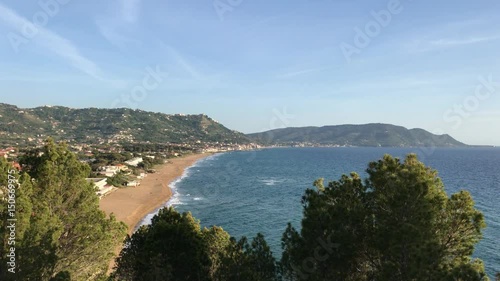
<point x="93" y="125"/>
<point x="356" y="135"/>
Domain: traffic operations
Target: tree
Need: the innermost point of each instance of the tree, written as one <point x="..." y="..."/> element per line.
<point x="332" y="242"/>
<point x="261" y="259"/>
<point x="118" y="180"/>
<point x="66" y="236"/>
<point x="217" y="241"/>
<point x="419" y="231"/>
<point x="171" y="248"/>
<point x="247" y="262"/>
<point x="174" y="247"/>
<point x="22" y="212"/>
<point x="397" y="225"/>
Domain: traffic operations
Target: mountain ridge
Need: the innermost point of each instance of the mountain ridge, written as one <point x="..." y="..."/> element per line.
<point x="88" y="125"/>
<point x="372" y="134"/>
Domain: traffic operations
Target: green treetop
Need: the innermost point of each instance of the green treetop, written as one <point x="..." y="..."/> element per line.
<point x="397" y="225"/>
<point x="64" y="234"/>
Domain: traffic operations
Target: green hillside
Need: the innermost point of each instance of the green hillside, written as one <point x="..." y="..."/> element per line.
<point x="356" y="135"/>
<point x="91" y="125"/>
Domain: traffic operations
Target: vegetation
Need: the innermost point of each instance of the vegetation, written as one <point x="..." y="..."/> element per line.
<point x="397" y="225"/>
<point x="149" y="163"/>
<point x="61" y="234"/>
<point x="167" y="149"/>
<point x="356" y="135"/>
<point x="247" y="261"/>
<point x="92" y="125"/>
<point x="174" y="247"/>
<point x="118" y="180"/>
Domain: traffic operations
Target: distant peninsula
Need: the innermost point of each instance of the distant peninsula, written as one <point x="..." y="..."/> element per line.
<point x="373" y="135"/>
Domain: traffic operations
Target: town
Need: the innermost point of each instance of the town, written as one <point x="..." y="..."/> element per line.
<point x="115" y="165"/>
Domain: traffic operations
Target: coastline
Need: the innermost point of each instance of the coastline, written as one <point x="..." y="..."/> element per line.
<point x="132" y="204"/>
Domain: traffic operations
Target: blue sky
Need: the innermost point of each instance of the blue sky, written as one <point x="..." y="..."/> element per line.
<point x="256" y="65"/>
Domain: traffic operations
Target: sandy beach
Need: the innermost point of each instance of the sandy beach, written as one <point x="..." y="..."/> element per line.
<point x="132" y="204"/>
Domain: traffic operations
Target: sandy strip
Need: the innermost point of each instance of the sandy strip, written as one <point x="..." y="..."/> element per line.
<point x="132" y="204"/>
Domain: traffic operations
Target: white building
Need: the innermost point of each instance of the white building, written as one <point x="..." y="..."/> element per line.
<point x="134" y="162"/>
<point x="102" y="186"/>
<point x="110" y="171"/>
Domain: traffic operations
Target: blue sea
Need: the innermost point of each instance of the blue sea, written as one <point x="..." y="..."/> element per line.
<point x="260" y="191"/>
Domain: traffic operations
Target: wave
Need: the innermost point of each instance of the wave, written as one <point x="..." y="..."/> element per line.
<point x="205" y="160"/>
<point x="271" y="182"/>
<point x="175" y="199"/>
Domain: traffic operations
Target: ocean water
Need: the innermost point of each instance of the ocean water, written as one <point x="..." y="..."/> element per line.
<point x="260" y="191"/>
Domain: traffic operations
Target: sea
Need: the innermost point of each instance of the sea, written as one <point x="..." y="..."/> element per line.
<point x="249" y="192"/>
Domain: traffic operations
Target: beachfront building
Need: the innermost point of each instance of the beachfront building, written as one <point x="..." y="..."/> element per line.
<point x="102" y="186"/>
<point x="110" y="171"/>
<point x="134" y="162"/>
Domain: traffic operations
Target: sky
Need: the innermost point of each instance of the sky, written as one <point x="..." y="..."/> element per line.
<point x="256" y="65"/>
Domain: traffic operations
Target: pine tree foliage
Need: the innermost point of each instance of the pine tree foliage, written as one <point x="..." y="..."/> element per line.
<point x="62" y="233"/>
<point x="175" y="248"/>
<point x="399" y="224"/>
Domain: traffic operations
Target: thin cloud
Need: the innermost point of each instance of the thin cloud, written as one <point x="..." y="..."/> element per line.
<point x="421" y="46"/>
<point x="111" y="28"/>
<point x="196" y="78"/>
<point x="298" y="73"/>
<point x="184" y="63"/>
<point x="447" y="35"/>
<point x="53" y="42"/>
<point x="466" y="41"/>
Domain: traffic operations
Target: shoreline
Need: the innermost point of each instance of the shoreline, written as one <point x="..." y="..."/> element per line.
<point x="132" y="205"/>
